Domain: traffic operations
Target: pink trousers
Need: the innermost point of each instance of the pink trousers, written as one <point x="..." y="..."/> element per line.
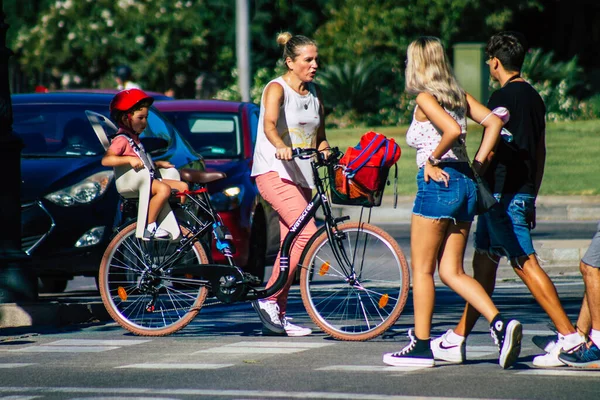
<point x="288" y="200"/>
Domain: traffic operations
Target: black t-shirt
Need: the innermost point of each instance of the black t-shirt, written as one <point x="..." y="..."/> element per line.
<point x="514" y="166"/>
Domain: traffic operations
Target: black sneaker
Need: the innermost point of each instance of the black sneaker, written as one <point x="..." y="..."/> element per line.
<point x="586" y="356"/>
<point x="507" y="337"/>
<point x="412" y="355"/>
<point x="268" y="312"/>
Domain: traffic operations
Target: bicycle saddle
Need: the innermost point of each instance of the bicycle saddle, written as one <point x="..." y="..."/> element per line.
<point x="195" y="176"/>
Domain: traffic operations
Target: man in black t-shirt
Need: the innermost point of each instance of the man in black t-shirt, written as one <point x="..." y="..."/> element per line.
<point x="514" y="173"/>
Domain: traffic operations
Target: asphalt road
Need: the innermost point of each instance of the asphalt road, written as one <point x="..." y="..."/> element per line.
<point x="222" y="355"/>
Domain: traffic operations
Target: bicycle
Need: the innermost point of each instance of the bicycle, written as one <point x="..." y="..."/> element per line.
<point x="354" y="278"/>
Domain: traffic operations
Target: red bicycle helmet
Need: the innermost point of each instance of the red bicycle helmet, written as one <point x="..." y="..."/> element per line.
<point x="126" y="99"/>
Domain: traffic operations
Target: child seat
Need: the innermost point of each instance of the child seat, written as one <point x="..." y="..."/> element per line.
<point x="133" y="184"/>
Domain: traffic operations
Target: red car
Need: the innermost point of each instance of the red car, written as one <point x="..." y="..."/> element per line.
<point x="224" y="133"/>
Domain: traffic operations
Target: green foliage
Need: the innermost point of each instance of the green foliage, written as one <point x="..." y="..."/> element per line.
<point x="165" y="43"/>
<point x="353" y="85"/>
<point x="260" y="80"/>
<point x="360" y="28"/>
<point x="557" y="82"/>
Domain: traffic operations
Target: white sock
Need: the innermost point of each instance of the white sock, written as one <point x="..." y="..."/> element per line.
<point x="152" y="226"/>
<point x="574" y="338"/>
<point x="454" y="338"/>
<point x="595" y="336"/>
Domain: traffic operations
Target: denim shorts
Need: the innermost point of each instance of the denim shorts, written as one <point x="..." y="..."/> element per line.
<point x="592" y="255"/>
<point x="457" y="201"/>
<point x="504" y="230"/>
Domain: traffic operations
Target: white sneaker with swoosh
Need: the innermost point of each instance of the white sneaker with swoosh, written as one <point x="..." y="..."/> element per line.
<point x="445" y="350"/>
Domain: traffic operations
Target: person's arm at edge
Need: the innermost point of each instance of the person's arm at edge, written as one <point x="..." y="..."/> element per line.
<point x="434" y="112"/>
<point x="541" y="162"/>
<point x="273" y="99"/>
<point x="492" y="126"/>
<point x="322" y="143"/>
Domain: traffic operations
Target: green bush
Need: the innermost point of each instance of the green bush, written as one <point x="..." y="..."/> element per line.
<point x="558" y="83"/>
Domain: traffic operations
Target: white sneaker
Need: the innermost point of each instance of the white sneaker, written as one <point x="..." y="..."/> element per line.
<point x="156" y="233"/>
<point x="564" y="344"/>
<point x="268" y="312"/>
<point x="294" y="330"/>
<point x="444" y="350"/>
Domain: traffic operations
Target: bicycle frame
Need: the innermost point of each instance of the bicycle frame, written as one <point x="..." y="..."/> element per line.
<point x="212" y="274"/>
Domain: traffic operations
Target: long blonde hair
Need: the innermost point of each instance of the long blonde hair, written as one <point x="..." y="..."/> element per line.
<point x="428" y="70"/>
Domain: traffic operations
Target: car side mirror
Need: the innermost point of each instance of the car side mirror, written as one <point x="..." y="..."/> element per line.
<point x="155" y="146"/>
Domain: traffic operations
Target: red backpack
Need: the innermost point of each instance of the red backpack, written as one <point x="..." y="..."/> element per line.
<point x="368" y="162"/>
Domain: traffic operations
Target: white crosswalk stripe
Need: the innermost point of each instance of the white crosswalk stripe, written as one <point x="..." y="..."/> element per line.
<point x="78" y="346"/>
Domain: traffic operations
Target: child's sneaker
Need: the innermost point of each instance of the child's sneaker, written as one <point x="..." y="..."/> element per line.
<point x="294" y="330"/>
<point x="416" y="354"/>
<point x="268" y="312"/>
<point x="507" y="337"/>
<point x="444" y="349"/>
<point x="586" y="356"/>
<point x="564" y="344"/>
<point x="156" y="233"/>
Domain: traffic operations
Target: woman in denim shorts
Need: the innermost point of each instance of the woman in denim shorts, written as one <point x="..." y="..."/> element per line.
<point x="444" y="206"/>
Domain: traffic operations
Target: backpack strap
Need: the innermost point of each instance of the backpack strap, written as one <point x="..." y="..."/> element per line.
<point x="141" y="153"/>
<point x="364" y="156"/>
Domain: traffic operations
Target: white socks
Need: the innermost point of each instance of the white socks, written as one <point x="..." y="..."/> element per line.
<point x="454" y="338"/>
<point x="595" y="336"/>
<point x="572" y="339"/>
<point x="151" y="227"/>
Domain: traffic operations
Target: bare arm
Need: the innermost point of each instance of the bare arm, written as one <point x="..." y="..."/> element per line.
<point x="111" y="159"/>
<point x="541" y="162"/>
<point x="430" y="109"/>
<point x="273" y="100"/>
<point x="491" y="135"/>
<point x="322" y="143"/>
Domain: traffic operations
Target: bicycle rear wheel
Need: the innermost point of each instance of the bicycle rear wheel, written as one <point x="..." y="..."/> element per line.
<point x="359" y="299"/>
<point x="140" y="298"/>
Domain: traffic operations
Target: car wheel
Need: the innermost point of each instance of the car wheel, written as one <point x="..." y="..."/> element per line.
<point x="258" y="247"/>
<point x="52" y="285"/>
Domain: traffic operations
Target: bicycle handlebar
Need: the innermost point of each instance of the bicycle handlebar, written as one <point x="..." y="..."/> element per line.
<point x="306" y="153"/>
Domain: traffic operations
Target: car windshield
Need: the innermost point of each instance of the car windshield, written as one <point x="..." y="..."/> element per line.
<point x="214" y="135"/>
<point x="61" y="130"/>
<point x="56" y="130"/>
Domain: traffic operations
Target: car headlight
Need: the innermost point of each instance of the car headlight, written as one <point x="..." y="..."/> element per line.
<point x="83" y="192"/>
<point x="227" y="199"/>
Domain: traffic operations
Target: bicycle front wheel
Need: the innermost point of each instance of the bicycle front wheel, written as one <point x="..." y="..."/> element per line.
<point x="356" y="287"/>
<point x="141" y="297"/>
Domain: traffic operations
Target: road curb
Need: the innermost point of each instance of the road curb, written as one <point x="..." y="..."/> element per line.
<point x="51" y="313"/>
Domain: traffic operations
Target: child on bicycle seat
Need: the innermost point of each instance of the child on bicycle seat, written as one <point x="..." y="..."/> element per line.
<point x="129" y="109"/>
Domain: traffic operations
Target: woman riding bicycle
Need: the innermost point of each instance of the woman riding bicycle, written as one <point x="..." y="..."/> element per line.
<point x="291" y="115"/>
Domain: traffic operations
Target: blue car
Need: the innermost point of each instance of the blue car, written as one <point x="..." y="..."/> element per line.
<point x="69" y="202"/>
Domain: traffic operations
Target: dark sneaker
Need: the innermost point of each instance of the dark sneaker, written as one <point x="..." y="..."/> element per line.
<point x="444" y="350"/>
<point x="586" y="356"/>
<point x="411" y="356"/>
<point x="268" y="312"/>
<point x="507" y="337"/>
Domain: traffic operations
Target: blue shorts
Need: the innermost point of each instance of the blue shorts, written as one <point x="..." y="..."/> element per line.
<point x="592" y="255"/>
<point x="457" y="201"/>
<point x="504" y="230"/>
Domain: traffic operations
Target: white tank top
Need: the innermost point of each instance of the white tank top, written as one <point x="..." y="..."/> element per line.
<point x="425" y="137"/>
<point x="297" y="126"/>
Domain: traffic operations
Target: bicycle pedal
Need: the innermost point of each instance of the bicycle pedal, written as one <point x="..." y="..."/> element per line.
<point x="252" y="280"/>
